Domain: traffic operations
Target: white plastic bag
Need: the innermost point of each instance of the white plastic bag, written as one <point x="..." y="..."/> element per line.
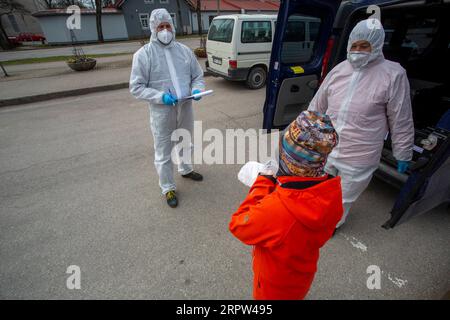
<point x="249" y="172"/>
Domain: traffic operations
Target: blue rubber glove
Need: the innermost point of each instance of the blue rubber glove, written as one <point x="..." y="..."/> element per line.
<point x="195" y="92"/>
<point x="169" y="99"/>
<point x="402" y="166"/>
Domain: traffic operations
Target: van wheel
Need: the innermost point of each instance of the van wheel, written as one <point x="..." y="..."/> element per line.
<point x="256" y="78"/>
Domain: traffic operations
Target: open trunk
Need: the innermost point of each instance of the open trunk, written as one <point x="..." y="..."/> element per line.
<point x="418" y="37"/>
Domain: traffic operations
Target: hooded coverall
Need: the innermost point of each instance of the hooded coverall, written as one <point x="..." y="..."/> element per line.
<point x="364" y="104"/>
<point x="159" y="69"/>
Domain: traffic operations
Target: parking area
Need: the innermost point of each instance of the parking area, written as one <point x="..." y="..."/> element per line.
<point x="79" y="188"/>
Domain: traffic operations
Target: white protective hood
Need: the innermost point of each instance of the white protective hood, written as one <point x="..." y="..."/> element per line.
<point x="156" y="18"/>
<point x="372" y="31"/>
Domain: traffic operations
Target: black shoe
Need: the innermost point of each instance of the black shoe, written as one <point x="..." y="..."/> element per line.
<point x="194" y="176"/>
<point x="171" y="199"/>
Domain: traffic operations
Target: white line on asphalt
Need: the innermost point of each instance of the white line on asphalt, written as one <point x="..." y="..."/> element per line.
<point x="400" y="283"/>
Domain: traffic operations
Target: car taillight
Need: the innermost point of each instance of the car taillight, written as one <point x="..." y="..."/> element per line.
<point x="326" y="59"/>
<point x="233" y="64"/>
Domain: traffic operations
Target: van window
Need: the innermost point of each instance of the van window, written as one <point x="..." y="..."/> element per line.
<point x="256" y="32"/>
<point x="221" y="30"/>
<point x="295" y="47"/>
<point x="314" y="30"/>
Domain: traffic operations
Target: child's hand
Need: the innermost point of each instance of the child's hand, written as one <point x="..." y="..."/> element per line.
<point x="270" y="169"/>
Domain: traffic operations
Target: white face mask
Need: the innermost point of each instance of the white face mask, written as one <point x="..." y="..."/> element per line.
<point x="358" y="59"/>
<point x="165" y="36"/>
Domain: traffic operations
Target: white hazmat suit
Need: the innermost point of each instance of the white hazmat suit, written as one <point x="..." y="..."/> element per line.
<point x="159" y="69"/>
<point x="364" y="102"/>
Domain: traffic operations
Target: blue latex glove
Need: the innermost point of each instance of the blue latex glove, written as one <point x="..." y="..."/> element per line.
<point x="169" y="99"/>
<point x="402" y="166"/>
<point x="195" y="92"/>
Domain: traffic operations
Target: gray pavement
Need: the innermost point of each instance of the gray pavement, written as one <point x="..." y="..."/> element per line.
<point x="79" y="188"/>
<point x="109" y="47"/>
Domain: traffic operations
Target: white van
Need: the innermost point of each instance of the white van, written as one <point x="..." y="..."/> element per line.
<point x="239" y="47"/>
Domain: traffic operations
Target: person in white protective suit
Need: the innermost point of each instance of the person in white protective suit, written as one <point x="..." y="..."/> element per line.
<point x="163" y="72"/>
<point x="366" y="96"/>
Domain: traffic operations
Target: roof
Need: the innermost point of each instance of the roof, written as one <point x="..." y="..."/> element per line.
<point x="255" y="5"/>
<point x="248" y="16"/>
<point x="211" y="5"/>
<point x="238" y="5"/>
<point x="229" y="5"/>
<point x="63" y="12"/>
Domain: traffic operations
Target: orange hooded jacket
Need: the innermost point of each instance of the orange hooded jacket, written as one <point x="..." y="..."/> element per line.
<point x="287" y="221"/>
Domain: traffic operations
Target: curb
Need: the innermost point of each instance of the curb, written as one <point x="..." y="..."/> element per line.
<point x="67" y="93"/>
<point x="61" y="94"/>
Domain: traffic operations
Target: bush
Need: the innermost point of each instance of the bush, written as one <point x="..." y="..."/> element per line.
<point x="200" y="52"/>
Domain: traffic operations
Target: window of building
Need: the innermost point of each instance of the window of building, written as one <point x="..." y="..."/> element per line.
<point x="143" y="17"/>
<point x="12" y="20"/>
<point x="149" y="1"/>
<point x="174" y="19"/>
<point x="163" y="1"/>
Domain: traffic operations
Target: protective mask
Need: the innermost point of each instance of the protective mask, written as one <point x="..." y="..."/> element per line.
<point x="165" y="36"/>
<point x="358" y="59"/>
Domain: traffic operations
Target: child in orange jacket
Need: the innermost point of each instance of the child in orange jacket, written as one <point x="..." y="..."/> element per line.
<point x="290" y="216"/>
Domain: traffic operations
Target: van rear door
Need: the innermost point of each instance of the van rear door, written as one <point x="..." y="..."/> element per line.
<point x="301" y="39"/>
<point x="220" y="45"/>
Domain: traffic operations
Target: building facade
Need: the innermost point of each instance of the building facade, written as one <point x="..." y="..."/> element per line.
<point x="212" y="8"/>
<point x="137" y="15"/>
<point x="54" y="25"/>
<point x="130" y="19"/>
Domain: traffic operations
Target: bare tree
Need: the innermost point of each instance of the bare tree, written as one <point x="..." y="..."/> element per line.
<point x="98" y="19"/>
<point x="62" y="4"/>
<point x="8" y="7"/>
<point x="108" y="3"/>
<point x="199" y="17"/>
<point x="48" y="4"/>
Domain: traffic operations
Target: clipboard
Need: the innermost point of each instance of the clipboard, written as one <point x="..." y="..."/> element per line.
<point x="197" y="95"/>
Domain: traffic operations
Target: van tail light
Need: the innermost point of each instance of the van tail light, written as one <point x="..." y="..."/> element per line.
<point x="233" y="64"/>
<point x="326" y="59"/>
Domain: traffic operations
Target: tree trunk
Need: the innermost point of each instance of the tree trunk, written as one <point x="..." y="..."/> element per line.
<point x="4" y="42"/>
<point x="180" y="18"/>
<point x="98" y="19"/>
<point x="199" y="18"/>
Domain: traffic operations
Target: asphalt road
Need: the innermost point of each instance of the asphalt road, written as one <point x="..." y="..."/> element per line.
<point x="108" y="47"/>
<point x="78" y="187"/>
